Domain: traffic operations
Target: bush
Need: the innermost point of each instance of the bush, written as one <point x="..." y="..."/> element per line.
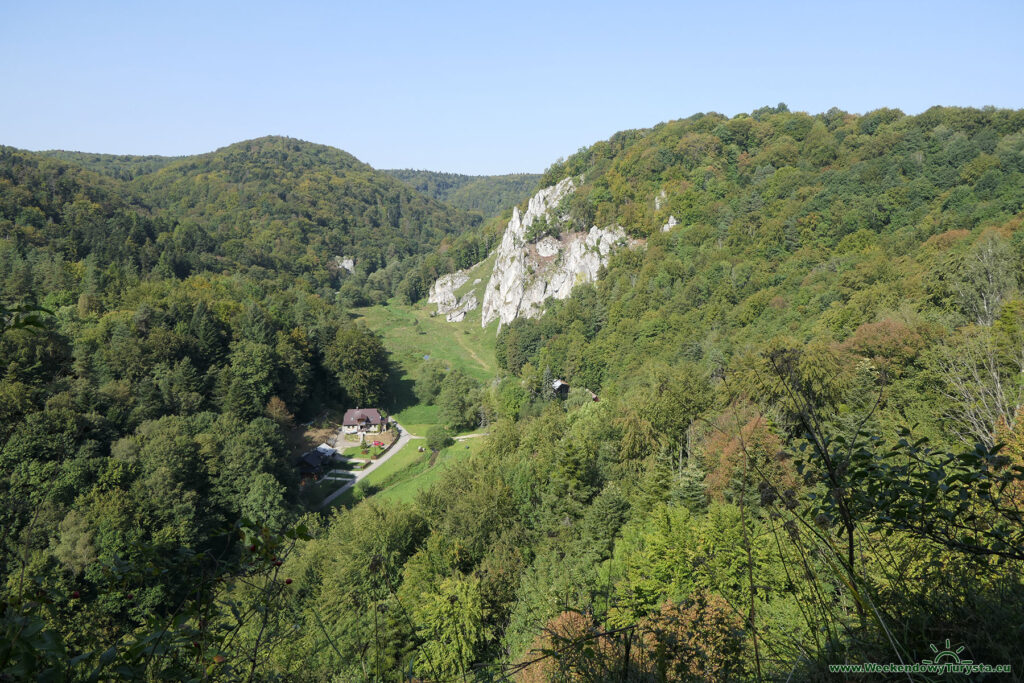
<point x="459" y="401"/>
<point x="438" y="437"/>
<point x="429" y="378"/>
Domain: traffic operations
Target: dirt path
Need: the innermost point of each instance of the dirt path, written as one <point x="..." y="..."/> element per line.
<point x="472" y="354"/>
<point x="470" y="436"/>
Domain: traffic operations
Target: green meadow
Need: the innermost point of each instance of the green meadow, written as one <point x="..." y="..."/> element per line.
<point x="412" y="335"/>
<point x="420" y="475"/>
<point x="408" y="472"/>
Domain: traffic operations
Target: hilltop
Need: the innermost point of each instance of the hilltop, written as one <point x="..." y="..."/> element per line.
<point x="298" y="205"/>
<point x="785" y="225"/>
<point x="487" y="195"/>
<point x="119" y="166"/>
<point x="272" y="202"/>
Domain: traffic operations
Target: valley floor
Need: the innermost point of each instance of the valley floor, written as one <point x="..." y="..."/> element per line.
<point x="412" y="335"/>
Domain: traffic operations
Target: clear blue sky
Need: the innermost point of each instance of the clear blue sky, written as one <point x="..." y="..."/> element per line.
<point x="481" y="87"/>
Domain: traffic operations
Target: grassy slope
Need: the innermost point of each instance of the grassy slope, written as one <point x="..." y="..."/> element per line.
<point x="421" y="475"/>
<point x="408" y="472"/>
<point x="393" y="471"/>
<point x="410" y="333"/>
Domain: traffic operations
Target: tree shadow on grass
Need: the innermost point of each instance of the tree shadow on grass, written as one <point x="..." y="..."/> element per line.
<point x="399" y="393"/>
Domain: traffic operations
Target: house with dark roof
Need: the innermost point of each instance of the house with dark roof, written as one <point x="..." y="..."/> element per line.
<point x="560" y="388"/>
<point x="311" y="464"/>
<point x="361" y="420"/>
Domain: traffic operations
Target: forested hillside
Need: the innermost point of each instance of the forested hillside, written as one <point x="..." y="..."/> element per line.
<point x="287" y="205"/>
<point x="793" y="436"/>
<point x="791" y="460"/>
<point x="120" y="166"/>
<point x="883" y="237"/>
<point x="158" y="342"/>
<point x="488" y="195"/>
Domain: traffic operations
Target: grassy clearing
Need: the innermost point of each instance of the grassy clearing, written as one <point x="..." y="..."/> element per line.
<point x="408" y="472"/>
<point x="395" y="464"/>
<point x="481" y="271"/>
<point x="410" y="333"/>
<point x="372" y="453"/>
<point x="411" y="336"/>
<point x="420" y="475"/>
<point x="313" y="495"/>
<point x="418" y="419"/>
<point x="383" y="475"/>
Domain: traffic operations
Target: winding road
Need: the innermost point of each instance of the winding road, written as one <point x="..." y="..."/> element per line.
<point x="405" y="438"/>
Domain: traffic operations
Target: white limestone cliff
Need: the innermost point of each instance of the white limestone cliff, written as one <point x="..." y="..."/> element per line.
<point x="466" y="304"/>
<point x="442" y="292"/>
<point x="343" y="263"/>
<point x="526" y="273"/>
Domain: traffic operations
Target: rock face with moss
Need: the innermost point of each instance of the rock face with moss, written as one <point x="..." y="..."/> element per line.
<point x="529" y="269"/>
<point x="442" y="293"/>
<point x="467" y="303"/>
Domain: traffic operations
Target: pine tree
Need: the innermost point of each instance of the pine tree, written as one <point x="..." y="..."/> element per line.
<point x="689" y="489"/>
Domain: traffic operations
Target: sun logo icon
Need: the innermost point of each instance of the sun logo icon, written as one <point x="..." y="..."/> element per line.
<point x="947" y="655"/>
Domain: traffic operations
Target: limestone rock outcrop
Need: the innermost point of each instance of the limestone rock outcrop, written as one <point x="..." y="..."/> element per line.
<point x="466" y="304"/>
<point x="530" y="268"/>
<point x="661" y="196"/>
<point x="528" y="272"/>
<point x="442" y="293"/>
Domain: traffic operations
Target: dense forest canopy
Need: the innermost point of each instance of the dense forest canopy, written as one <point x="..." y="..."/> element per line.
<point x="287" y="205"/>
<point x="807" y="447"/>
<point x="882" y="234"/>
<point x="487" y="195"/>
<point x="274" y="203"/>
<point x="120" y="166"/>
<point x="144" y="410"/>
